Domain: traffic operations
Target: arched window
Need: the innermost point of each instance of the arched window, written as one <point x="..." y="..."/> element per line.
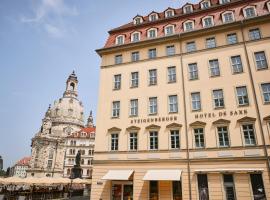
<point x="72" y="85"/>
<point x="224" y="1"/>
<point x="188" y="25"/>
<point x="153" y="17"/>
<point x="250" y="11"/>
<point x="120" y="39"/>
<point x="152" y="33"/>
<point x="169" y="29"/>
<point x="188" y="9"/>
<point x="68" y="171"/>
<point x="137" y="20"/>
<point x="205" y="4"/>
<point x="208" y="21"/>
<point x="169" y="13"/>
<point x="228" y="17"/>
<point x="135" y="37"/>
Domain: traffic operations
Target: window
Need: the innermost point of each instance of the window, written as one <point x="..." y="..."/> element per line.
<point x="137" y="20"/>
<point x="218" y="98"/>
<point x="196" y="101"/>
<point x="135" y="56"/>
<point x="173" y="104"/>
<point x="232" y="38"/>
<point x="249" y="136"/>
<point x="153" y="17"/>
<point x="229" y="187"/>
<point x="193" y="71"/>
<point x="177" y="190"/>
<point x="152" y="33"/>
<point x="205" y="5"/>
<point x="114" y="141"/>
<point x="117" y="82"/>
<point x="223" y="136"/>
<point x="133" y="141"/>
<point x="116" y="109"/>
<point x="135" y="37"/>
<point x="169" y="13"/>
<point x="153" y="139"/>
<point x="199" y="137"/>
<point x="175" y="139"/>
<point x="190" y="46"/>
<point x="249" y="12"/>
<point x="254" y="34"/>
<point x="152" y="53"/>
<point x="188" y="9"/>
<point x="268" y="5"/>
<point x="208" y="22"/>
<point x="203" y="186"/>
<point x="210" y="43"/>
<point x="50" y="159"/>
<point x="266" y="92"/>
<point x="120" y="39"/>
<point x="214" y="68"/>
<point x="118" y="59"/>
<point x="171" y="74"/>
<point x="224" y="1"/>
<point x="169" y="30"/>
<point x="188" y="25"/>
<point x="228" y="17"/>
<point x="153" y="190"/>
<point x="152" y="77"/>
<point x="170" y="50"/>
<point x="257" y="186"/>
<point x="261" y="62"/>
<point x="134" y="79"/>
<point x="242" y="96"/>
<point x="134" y="107"/>
<point x="152" y="105"/>
<point x="236" y="64"/>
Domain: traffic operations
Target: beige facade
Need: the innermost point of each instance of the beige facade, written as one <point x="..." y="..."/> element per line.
<point x="224" y="131"/>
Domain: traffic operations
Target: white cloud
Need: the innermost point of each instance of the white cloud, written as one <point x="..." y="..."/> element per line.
<point x="49" y="14"/>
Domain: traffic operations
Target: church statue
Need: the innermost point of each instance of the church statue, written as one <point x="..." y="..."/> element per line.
<point x="78" y="158"/>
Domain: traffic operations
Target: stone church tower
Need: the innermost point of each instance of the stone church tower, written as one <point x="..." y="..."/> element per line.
<point x="61" y="119"/>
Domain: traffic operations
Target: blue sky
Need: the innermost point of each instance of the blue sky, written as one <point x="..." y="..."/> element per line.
<point x="41" y="42"/>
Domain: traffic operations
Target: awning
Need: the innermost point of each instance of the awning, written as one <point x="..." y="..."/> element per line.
<point x="224" y="170"/>
<point x="163" y="175"/>
<point x="118" y="175"/>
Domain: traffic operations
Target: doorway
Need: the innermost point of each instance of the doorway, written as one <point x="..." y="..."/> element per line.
<point x="122" y="190"/>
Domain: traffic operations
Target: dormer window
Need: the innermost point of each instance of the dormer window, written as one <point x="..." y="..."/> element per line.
<point x="268" y="5"/>
<point x="228" y="17"/>
<point x="205" y="4"/>
<point x="208" y="21"/>
<point x="188" y="9"/>
<point x="169" y="13"/>
<point x="224" y="1"/>
<point x="152" y="33"/>
<point x="250" y="12"/>
<point x="169" y="29"/>
<point x="135" y="37"/>
<point x="120" y="40"/>
<point x="153" y="17"/>
<point x="137" y="20"/>
<point x="189" y="25"/>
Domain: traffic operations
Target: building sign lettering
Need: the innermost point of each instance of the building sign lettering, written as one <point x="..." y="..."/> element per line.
<point x="154" y="119"/>
<point x="221" y="114"/>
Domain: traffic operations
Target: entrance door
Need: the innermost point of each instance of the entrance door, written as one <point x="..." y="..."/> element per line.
<point x="122" y="191"/>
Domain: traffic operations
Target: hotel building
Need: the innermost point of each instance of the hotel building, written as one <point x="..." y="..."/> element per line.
<point x="184" y="105"/>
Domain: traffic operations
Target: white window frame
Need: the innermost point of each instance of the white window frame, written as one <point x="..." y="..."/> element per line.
<point x="207" y="17"/>
<point x="223" y="17"/>
<point x="206" y="1"/>
<point x="116" y="109"/>
<point x="169" y="10"/>
<point x="173" y="103"/>
<point x="153" y="14"/>
<point x="152" y="79"/>
<point x="132" y="36"/>
<point x="133" y="138"/>
<point x="165" y="29"/>
<point x="192" y="71"/>
<point x="218" y="98"/>
<point x="186" y="6"/>
<point x="135" y="20"/>
<point x="134" y="107"/>
<point x="135" y="56"/>
<point x="243" y="135"/>
<point x="119" y="36"/>
<point x="154" y="105"/>
<point x="214" y="69"/>
<point x="221" y="2"/>
<point x="265" y="92"/>
<point x="203" y="136"/>
<point x="235" y="65"/>
<point x="198" y="101"/>
<point x="245" y="14"/>
<point x="237" y="99"/>
<point x="189" y="21"/>
<point x="171" y="76"/>
<point x="222" y="132"/>
<point x="175" y="133"/>
<point x="149" y="31"/>
<point x="155" y="138"/>
<point x="117" y="81"/>
<point x="116" y="141"/>
<point x="136" y="80"/>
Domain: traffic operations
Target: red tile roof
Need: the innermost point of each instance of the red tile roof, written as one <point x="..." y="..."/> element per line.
<point x="215" y="10"/>
<point x="86" y="132"/>
<point x="24" y="161"/>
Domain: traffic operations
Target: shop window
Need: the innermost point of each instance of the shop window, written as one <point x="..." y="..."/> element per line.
<point x="203" y="187"/>
<point x="177" y="190"/>
<point x="153" y="190"/>
<point x="257" y="186"/>
<point x="229" y="186"/>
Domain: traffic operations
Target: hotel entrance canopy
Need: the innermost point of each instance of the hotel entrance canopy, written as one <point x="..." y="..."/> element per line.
<point x="121" y="175"/>
<point x="163" y="175"/>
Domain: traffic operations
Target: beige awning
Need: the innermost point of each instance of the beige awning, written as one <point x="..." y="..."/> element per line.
<point x="163" y="175"/>
<point x="118" y="175"/>
<point x="226" y="170"/>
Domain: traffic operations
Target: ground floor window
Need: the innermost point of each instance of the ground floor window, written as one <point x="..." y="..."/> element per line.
<point x="257" y="186"/>
<point x="229" y="186"/>
<point x="122" y="191"/>
<point x="153" y="190"/>
<point x="177" y="190"/>
<point x="203" y="187"/>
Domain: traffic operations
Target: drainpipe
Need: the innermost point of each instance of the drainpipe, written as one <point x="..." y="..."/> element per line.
<point x="185" y="119"/>
<point x="255" y="100"/>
